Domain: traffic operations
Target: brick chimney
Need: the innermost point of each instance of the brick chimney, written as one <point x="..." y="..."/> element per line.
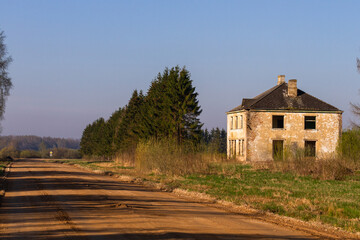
<point x="292" y="88"/>
<point x="281" y="79"/>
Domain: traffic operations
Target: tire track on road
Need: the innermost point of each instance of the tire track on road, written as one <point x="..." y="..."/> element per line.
<point x="60" y="214"/>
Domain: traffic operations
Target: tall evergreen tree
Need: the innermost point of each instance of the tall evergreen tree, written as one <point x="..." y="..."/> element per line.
<point x="183" y="104"/>
<point x="128" y="133"/>
<point x="113" y="125"/>
<point x="86" y="141"/>
<point x="223" y="139"/>
<point x="95" y="140"/>
<point x="156" y="109"/>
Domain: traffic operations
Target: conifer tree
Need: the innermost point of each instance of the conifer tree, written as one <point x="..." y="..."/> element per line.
<point x="128" y="133"/>
<point x="86" y="141"/>
<point x="156" y="109"/>
<point x="169" y="109"/>
<point x="113" y="125"/>
<point x="223" y="139"/>
<point x="184" y="106"/>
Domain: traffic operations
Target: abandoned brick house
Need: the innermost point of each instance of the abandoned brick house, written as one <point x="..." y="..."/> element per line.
<point x="283" y="117"/>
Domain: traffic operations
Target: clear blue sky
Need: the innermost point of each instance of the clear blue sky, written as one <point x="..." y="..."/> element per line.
<point x="76" y="61"/>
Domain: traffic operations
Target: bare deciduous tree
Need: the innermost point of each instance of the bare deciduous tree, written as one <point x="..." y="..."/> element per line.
<point x="5" y="80"/>
<point x="355" y="108"/>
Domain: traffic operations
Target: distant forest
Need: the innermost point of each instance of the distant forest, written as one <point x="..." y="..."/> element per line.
<point x="37" y="143"/>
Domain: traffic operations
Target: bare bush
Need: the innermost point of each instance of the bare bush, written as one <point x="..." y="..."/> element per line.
<point x="125" y="159"/>
<point x="329" y="168"/>
<point x="167" y="157"/>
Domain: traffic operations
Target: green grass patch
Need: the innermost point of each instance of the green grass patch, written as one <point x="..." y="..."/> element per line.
<point x="329" y="201"/>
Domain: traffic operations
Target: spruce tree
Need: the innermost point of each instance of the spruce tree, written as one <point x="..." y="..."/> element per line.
<point x="86" y="143"/>
<point x="128" y="133"/>
<point x="113" y="125"/>
<point x="184" y="106"/>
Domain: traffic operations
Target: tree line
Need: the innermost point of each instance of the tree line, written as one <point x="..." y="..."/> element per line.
<point x="37" y="143"/>
<point x="169" y="109"/>
<point x="38" y="147"/>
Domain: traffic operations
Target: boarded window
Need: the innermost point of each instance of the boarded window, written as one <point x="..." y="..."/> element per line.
<point x="310" y="122"/>
<point x="278" y="149"/>
<point x="278" y="122"/>
<point x="241" y="121"/>
<point x="231" y="123"/>
<point x="236" y="122"/>
<point x="310" y="148"/>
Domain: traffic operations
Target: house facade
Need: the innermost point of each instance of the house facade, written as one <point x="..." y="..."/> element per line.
<point x="282" y="119"/>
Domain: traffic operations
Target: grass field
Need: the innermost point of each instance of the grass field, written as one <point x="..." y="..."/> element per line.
<point x="328" y="201"/>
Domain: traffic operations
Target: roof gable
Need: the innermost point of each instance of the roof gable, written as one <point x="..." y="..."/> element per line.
<point x="276" y="98"/>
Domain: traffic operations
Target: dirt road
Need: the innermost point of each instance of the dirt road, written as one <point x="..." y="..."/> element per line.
<point x="54" y="201"/>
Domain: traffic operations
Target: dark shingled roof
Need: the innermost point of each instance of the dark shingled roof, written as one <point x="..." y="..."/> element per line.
<point x="277" y="98"/>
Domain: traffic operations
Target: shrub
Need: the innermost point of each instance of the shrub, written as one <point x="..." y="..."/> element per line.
<point x="65" y="153"/>
<point x="30" y="154"/>
<point x="9" y="152"/>
<point x="125" y="159"/>
<point x="167" y="157"/>
<point x="349" y="146"/>
<point x="330" y="168"/>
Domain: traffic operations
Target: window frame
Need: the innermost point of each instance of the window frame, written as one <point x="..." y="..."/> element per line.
<point x="273" y="122"/>
<point x="308" y="122"/>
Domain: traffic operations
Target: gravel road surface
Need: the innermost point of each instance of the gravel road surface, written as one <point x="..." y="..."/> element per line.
<point x="55" y="201"/>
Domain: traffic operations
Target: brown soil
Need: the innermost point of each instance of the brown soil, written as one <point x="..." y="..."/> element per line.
<point x="54" y="201"/>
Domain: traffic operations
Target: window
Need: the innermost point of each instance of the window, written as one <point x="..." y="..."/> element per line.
<point x="241" y="121"/>
<point x="230" y="148"/>
<point x="236" y="122"/>
<point x="278" y="149"/>
<point x="310" y="148"/>
<point x="239" y="147"/>
<point x="242" y="147"/>
<point x="278" y="121"/>
<point x="310" y="122"/>
<point x="231" y="123"/>
<point x="234" y="144"/>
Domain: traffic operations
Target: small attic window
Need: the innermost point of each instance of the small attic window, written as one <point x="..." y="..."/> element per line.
<point x="310" y="122"/>
<point x="278" y="121"/>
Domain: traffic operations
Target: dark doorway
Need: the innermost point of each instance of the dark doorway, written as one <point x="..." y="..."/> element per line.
<point x="278" y="149"/>
<point x="310" y="148"/>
